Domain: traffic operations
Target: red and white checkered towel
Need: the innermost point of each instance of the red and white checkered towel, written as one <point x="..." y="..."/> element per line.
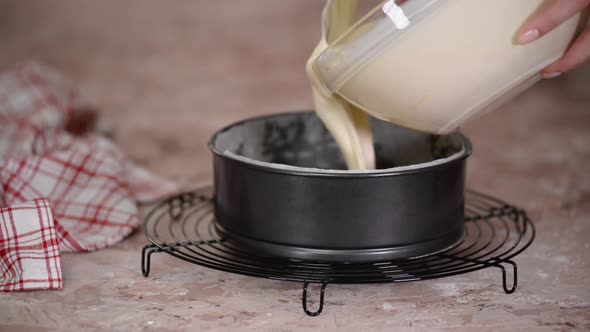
<point x="59" y="191"/>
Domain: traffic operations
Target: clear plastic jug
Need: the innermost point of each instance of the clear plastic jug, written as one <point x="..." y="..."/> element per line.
<point x="451" y="60"/>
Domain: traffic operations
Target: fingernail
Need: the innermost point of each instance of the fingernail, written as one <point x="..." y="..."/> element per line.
<point x="529" y="36"/>
<point x="551" y="75"/>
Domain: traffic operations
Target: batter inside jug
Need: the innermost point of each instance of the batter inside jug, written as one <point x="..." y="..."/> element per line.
<point x="459" y="59"/>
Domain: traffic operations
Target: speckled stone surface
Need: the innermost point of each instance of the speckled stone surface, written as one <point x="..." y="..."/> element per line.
<point x="168" y="74"/>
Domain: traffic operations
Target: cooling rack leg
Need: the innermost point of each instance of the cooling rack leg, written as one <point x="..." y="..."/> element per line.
<point x="304" y="300"/>
<point x="504" y="277"/>
<point x="146" y="253"/>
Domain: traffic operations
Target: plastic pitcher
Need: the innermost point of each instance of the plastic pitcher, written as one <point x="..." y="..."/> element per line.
<point x="431" y="65"/>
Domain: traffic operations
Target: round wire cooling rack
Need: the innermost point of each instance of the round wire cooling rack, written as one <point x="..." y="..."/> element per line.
<point x="184" y="226"/>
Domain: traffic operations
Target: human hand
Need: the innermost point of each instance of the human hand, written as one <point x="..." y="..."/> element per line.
<point x="555" y="14"/>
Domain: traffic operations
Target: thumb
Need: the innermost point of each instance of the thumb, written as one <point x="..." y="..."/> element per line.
<point x="555" y="13"/>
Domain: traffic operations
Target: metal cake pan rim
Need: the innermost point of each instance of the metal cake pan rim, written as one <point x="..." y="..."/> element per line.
<point x="460" y="156"/>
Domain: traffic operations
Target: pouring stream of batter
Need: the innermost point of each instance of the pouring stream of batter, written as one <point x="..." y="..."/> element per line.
<point x="348" y="125"/>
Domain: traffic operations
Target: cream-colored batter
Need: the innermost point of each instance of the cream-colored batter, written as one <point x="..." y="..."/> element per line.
<point x="348" y="125"/>
<point x="461" y="60"/>
<point x="454" y="63"/>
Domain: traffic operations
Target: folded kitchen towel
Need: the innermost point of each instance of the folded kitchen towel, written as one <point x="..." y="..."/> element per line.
<point x="29" y="247"/>
<point x="62" y="185"/>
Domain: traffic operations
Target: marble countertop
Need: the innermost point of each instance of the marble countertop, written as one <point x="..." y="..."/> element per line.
<point x="167" y="75"/>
